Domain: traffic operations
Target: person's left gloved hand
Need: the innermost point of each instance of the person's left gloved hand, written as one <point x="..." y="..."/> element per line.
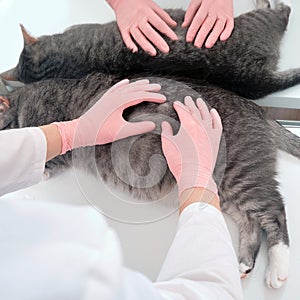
<point x="209" y="19"/>
<point x="192" y="153"/>
<point x="103" y="122"/>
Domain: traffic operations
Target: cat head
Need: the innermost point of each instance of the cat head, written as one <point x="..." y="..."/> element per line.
<point x="33" y="60"/>
<point x="26" y="58"/>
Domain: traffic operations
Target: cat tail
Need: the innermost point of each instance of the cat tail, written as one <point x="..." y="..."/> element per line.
<point x="285" y="140"/>
<point x="271" y="82"/>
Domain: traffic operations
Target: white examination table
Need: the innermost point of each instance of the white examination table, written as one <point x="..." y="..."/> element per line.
<point x="145" y="244"/>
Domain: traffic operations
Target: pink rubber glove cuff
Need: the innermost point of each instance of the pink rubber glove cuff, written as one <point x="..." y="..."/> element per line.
<point x="67" y="132"/>
<point x="113" y="3"/>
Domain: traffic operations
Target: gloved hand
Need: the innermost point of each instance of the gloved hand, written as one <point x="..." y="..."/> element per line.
<point x="208" y="18"/>
<point x="103" y="122"/>
<point x="191" y="154"/>
<point x="143" y="20"/>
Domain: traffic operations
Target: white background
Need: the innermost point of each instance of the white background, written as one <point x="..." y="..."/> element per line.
<point x="145" y="245"/>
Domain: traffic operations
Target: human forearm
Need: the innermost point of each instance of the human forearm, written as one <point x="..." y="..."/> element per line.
<point x="53" y="138"/>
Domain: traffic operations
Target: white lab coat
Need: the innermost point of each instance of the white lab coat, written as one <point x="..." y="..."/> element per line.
<point x="57" y="251"/>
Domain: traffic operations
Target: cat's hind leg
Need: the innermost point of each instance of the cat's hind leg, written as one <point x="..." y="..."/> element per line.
<point x="57" y="165"/>
<point x="250" y="234"/>
<point x="269" y="82"/>
<point x="262" y="4"/>
<point x="279" y="3"/>
<point x="277" y="269"/>
<point x="273" y="221"/>
<point x="280" y="80"/>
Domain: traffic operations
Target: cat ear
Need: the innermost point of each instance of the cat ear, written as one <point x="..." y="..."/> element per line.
<point x="28" y="39"/>
<point x="10" y="75"/>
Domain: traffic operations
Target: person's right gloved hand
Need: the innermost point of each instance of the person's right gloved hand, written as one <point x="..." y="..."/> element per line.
<point x="103" y="122"/>
<point x="143" y="20"/>
<point x="192" y="153"/>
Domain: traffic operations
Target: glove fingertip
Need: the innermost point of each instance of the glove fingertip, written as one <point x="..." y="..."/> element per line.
<point x="166" y="129"/>
<point x="188" y="101"/>
<point x="217" y="122"/>
<point x="201" y="103"/>
<point x="118" y="85"/>
<point x="178" y="104"/>
<point x="147" y="126"/>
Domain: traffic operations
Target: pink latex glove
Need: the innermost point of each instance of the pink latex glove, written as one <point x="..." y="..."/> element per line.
<point x="191" y="154"/>
<point x="103" y="122"/>
<point x="209" y="19"/>
<point x="143" y="20"/>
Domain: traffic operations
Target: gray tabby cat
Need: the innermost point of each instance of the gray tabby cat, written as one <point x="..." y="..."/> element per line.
<point x="245" y="170"/>
<point x="245" y="64"/>
<point x="246" y="166"/>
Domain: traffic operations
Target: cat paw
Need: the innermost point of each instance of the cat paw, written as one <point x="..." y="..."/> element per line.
<point x="4" y="104"/>
<point x="46" y="175"/>
<point x="245" y="269"/>
<point x="285" y="2"/>
<point x="262" y="4"/>
<point x="277" y="269"/>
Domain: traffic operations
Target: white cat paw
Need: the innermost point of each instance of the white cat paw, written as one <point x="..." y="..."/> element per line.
<point x="244" y="270"/>
<point x="286" y="2"/>
<point x="46" y="175"/>
<point x="261" y="4"/>
<point x="277" y="270"/>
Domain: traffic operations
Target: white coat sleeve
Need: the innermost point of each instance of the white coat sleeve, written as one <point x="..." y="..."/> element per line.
<point x="201" y="263"/>
<point x="22" y="159"/>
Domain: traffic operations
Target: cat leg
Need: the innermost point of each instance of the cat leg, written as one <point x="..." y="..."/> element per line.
<point x="250" y="234"/>
<point x="250" y="241"/>
<point x="277" y="269"/>
<point x="284" y="79"/>
<point x="261" y="4"/>
<point x="56" y="165"/>
<point x="278" y="3"/>
<point x="273" y="222"/>
<point x="268" y="82"/>
<point x="47" y="174"/>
